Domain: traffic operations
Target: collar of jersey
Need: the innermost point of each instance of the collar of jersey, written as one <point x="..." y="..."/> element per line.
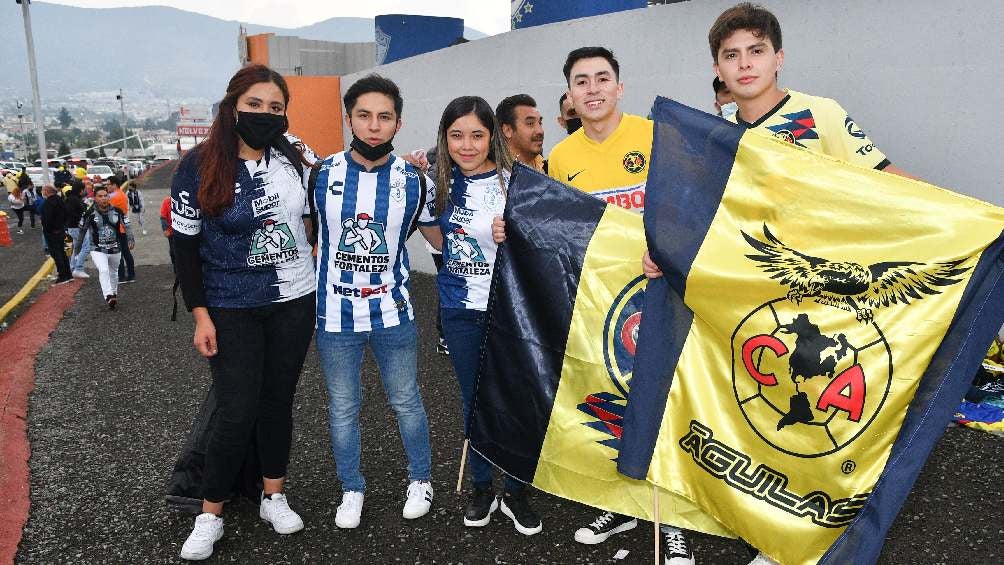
<point x="379" y="168"/>
<point x="613" y="135"/>
<point x="473" y="178"/>
<point x="766" y="116"/>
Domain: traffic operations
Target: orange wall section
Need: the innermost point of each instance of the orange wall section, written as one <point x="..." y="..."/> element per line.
<point x="315" y="112"/>
<point x="258" y="48"/>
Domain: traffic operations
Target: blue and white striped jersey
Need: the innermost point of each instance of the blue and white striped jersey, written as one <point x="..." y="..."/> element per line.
<point x="256" y="251"/>
<point x="468" y="248"/>
<point x="364" y="218"/>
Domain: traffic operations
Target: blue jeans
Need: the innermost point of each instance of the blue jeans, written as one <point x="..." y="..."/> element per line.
<point x="81" y="247"/>
<point x="464" y="331"/>
<point x="395" y="349"/>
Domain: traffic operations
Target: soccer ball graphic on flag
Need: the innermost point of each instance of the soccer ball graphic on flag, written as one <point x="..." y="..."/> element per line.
<point x="809" y="378"/>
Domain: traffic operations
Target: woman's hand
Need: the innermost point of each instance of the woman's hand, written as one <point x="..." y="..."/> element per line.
<point x="649" y="267"/>
<point x="205" y="332"/>
<point x="498" y="229"/>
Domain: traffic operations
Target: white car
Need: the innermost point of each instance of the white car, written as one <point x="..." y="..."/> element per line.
<point x="35" y="174"/>
<point x="100" y="174"/>
<point x="136" y="168"/>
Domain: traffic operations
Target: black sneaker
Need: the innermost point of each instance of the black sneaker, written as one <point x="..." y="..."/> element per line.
<point x="480" y="506"/>
<point x="441" y="347"/>
<point x="604" y="526"/>
<point x="516" y="506"/>
<point x="675" y="550"/>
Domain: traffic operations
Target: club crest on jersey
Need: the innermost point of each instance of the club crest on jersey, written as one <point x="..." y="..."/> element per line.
<point x="634" y="162"/>
<point x="811" y="369"/>
<point x="397" y="190"/>
<point x="800" y="125"/>
<point x="464" y="256"/>
<point x="272" y="244"/>
<point x="620" y="341"/>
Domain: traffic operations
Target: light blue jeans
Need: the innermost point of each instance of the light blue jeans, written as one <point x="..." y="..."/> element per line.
<point x="395" y="350"/>
<point x="81" y="247"/>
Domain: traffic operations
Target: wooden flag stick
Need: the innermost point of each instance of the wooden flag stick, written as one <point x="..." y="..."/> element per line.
<point x="463" y="460"/>
<point x="655" y="520"/>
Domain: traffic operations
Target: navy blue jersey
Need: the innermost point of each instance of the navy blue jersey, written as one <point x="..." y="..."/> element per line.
<point x="256" y="251"/>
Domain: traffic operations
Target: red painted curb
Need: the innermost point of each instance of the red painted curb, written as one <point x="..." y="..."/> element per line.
<point x="20" y="345"/>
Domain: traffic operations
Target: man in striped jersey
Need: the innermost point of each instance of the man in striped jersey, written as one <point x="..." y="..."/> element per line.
<point x="367" y="201"/>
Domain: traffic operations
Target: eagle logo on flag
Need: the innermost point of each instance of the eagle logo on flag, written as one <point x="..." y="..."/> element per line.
<point x="811" y="370"/>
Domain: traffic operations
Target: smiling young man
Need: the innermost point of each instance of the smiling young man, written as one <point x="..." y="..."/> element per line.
<point x="367" y="199"/>
<point x="608" y="157"/>
<point x="523" y="129"/>
<point x="745" y="44"/>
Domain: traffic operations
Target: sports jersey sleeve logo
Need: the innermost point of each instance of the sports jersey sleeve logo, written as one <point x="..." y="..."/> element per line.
<point x="363" y="245"/>
<point x="272" y="244"/>
<point x="800" y="125"/>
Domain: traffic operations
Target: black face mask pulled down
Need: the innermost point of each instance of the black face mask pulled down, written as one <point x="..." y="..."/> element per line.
<point x="573" y="125"/>
<point x="369" y="152"/>
<point x="258" y="129"/>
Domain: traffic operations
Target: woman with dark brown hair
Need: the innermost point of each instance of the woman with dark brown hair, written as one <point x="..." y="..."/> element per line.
<point x="238" y="209"/>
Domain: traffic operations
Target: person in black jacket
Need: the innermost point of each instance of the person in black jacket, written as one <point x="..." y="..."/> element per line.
<point x="54" y="227"/>
<point x="75" y="209"/>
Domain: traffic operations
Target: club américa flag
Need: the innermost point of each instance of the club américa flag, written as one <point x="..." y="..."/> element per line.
<point x="813" y="333"/>
<point x="556" y="365"/>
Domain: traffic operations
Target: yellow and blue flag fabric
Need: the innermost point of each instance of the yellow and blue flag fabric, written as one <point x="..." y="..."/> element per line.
<point x="814" y="330"/>
<point x="556" y="365"/>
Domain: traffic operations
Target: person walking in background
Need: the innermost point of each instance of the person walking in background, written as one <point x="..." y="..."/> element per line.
<point x="28" y="195"/>
<point x="75" y="209"/>
<point x="104" y="222"/>
<point x="136" y="206"/>
<point x="54" y="230"/>
<point x="118" y="199"/>
<point x="16" y="200"/>
<point x="167" y="230"/>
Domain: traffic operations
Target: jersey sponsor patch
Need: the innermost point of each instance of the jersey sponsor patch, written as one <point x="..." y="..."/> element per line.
<point x="272" y="244"/>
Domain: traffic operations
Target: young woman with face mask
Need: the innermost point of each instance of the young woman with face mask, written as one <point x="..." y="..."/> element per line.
<point x="238" y="206"/>
<point x="472" y="175"/>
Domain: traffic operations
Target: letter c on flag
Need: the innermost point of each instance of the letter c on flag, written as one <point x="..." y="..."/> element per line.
<point x="750" y="348"/>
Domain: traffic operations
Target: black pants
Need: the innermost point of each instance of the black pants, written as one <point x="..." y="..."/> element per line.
<point x="255" y="372"/>
<point x="55" y="243"/>
<point x="31" y="212"/>
<point x="20" y="216"/>
<point x="127" y="268"/>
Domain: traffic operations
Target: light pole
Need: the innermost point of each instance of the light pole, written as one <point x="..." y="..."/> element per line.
<point x="20" y="130"/>
<point x="125" y="150"/>
<point x="43" y="154"/>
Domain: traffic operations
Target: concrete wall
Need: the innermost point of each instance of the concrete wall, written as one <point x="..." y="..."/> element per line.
<point x="909" y="72"/>
<point x="311" y="57"/>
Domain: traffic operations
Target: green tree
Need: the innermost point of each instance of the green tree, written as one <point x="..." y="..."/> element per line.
<point x="64" y="149"/>
<point x="91" y="154"/>
<point x="65" y="119"/>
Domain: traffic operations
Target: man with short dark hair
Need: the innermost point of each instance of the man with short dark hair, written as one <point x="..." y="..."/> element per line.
<point x="523" y="129"/>
<point x="567" y="119"/>
<point x="118" y="199"/>
<point x="725" y="105"/>
<point x="54" y="230"/>
<point x="366" y="201"/>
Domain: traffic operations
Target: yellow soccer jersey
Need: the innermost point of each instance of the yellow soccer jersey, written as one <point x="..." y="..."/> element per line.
<point x="819" y="124"/>
<point x="615" y="170"/>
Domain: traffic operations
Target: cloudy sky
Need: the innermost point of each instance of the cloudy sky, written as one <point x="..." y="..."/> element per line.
<point x="488" y="16"/>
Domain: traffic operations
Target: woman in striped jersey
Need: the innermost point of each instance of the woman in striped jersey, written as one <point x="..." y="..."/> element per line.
<point x="472" y="173"/>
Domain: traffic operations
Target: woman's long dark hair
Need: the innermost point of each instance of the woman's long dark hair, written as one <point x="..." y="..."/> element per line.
<point x="217" y="154"/>
<point x="498" y="151"/>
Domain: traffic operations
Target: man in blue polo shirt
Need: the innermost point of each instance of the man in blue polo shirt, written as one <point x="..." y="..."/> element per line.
<point x="367" y="201"/>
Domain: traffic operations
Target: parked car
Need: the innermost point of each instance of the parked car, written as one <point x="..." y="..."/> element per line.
<point x="35" y="174"/>
<point x="99" y="175"/>
<point x="136" y="168"/>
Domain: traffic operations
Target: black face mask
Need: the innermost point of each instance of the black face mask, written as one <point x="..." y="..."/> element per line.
<point x="369" y="152"/>
<point x="573" y="125"/>
<point x="258" y="129"/>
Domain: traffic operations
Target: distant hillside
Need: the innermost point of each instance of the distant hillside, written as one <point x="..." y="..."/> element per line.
<point x="158" y="49"/>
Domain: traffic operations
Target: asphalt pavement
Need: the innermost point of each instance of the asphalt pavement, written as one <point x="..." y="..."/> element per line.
<point x="116" y="392"/>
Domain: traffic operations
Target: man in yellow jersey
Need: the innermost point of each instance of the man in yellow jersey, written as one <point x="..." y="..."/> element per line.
<point x="608" y="157"/>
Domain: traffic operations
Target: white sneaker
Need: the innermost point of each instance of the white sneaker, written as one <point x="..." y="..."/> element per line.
<point x="277" y="512"/>
<point x="762" y="559"/>
<point x="349" y="511"/>
<point x="419" y="500"/>
<point x="80" y="275"/>
<point x="199" y="545"/>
